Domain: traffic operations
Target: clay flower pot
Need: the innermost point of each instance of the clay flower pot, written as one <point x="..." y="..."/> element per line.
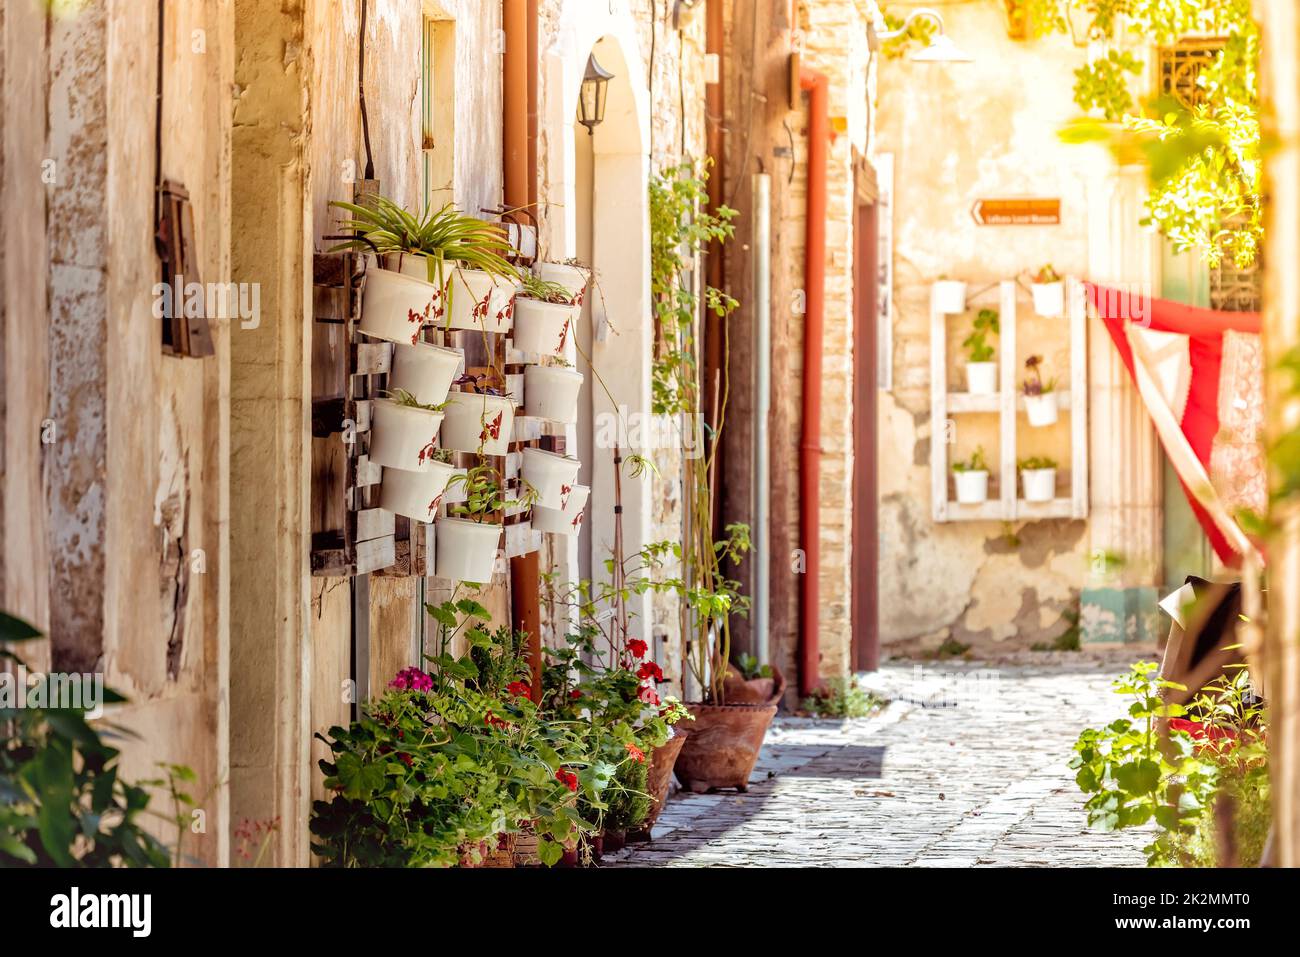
<point x="478" y="423"/>
<point x="396" y="307"/>
<point x="425" y="370"/>
<point x="658" y="778"/>
<point x="566" y="520"/>
<point x="543" y="328"/>
<point x="738" y="690"/>
<point x="403" y="436"/>
<point x="723" y="745"/>
<point x="552" y="475"/>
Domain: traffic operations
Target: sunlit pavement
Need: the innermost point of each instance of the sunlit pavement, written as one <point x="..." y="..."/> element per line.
<point x="966" y="767"/>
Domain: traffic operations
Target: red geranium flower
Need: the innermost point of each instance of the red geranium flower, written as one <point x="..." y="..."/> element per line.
<point x="493" y="721"/>
<point x="648" y="694"/>
<point x="567" y="778"/>
<point x="637" y="754"/>
<point x="650" y="670"/>
<point x="575" y="694"/>
<point x="519" y="689"/>
<point x="636" y="647"/>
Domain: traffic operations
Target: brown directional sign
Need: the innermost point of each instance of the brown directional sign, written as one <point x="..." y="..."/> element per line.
<point x="1016" y="212"/>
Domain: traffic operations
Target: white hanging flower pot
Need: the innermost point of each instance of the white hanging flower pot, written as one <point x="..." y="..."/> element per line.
<point x="1039" y="484"/>
<point x="425" y="370"/>
<point x="573" y="278"/>
<point x="972" y="486"/>
<point x="416" y="495"/>
<point x="982" y="378"/>
<point x="480" y="301"/>
<point x="551" y="392"/>
<point x="396" y="307"/>
<point x="1041" y="409"/>
<point x="1049" y="299"/>
<point x="543" y="328"/>
<point x="403" y="436"/>
<point x="478" y="423"/>
<point x="552" y="476"/>
<point x="566" y="520"/>
<point x="950" y="296"/>
<point x="467" y="550"/>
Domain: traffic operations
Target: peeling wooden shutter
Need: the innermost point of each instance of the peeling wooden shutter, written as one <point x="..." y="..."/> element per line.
<point x="182" y="334"/>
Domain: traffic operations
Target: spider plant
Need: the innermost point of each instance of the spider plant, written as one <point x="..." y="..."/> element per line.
<point x="543" y="290"/>
<point x="440" y="236"/>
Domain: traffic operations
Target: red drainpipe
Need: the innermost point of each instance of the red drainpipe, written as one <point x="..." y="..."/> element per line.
<point x="810" y="444"/>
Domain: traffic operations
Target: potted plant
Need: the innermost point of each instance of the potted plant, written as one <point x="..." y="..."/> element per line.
<point x="949" y="295"/>
<point x="425" y="371"/>
<point x="972" y="478"/>
<point x="544" y="315"/>
<point x="468" y="538"/>
<point x="1038" y="477"/>
<point x="663" y="759"/>
<point x="480" y="421"/>
<point x="417" y="495"/>
<point x="749" y="682"/>
<point x="981" y="369"/>
<point x="567" y="519"/>
<point x="1040" y="394"/>
<point x="404" y="432"/>
<point x="572" y="274"/>
<point x="552" y="475"/>
<point x="551" y="391"/>
<point x="459" y="256"/>
<point x="1048" y="289"/>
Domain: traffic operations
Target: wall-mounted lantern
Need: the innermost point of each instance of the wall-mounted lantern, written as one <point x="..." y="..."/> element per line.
<point x="591" y="99"/>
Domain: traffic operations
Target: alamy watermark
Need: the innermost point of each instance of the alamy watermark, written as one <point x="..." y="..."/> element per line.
<point x="215" y="300"/>
<point x="57" y="691"/>
<point x="648" y="432"/>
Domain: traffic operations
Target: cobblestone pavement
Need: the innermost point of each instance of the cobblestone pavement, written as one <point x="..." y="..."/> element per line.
<point x="966" y="767"/>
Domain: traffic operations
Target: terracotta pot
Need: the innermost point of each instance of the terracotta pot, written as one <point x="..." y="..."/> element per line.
<point x="525" y="849"/>
<point x="611" y="841"/>
<point x="504" y="853"/>
<point x="738" y="690"/>
<point x="723" y="745"/>
<point x="658" y="777"/>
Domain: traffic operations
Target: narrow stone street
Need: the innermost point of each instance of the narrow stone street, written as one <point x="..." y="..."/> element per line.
<point x="966" y="767"/>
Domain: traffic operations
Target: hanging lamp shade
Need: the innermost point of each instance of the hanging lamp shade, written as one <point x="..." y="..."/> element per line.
<point x="591" y="98"/>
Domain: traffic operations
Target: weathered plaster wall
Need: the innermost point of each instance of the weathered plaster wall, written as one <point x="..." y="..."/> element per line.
<point x="960" y="132"/>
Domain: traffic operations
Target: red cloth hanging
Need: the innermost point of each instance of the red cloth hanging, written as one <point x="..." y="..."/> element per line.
<point x="1204" y="329"/>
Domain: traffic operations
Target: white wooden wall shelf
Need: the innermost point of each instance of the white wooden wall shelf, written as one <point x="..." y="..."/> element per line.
<point x="1008" y="404"/>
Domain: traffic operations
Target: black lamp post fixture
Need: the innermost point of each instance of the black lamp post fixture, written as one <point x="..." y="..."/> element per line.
<point x="591" y="99"/>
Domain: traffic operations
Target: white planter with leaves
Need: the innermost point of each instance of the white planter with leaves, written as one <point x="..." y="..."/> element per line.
<point x="982" y="378"/>
<point x="467" y="550"/>
<point x="950" y="296"/>
<point x="543" y="328"/>
<point x="1049" y="299"/>
<point x="573" y="278"/>
<point x="395" y="306"/>
<point x="403" y="436"/>
<point x="478" y="423"/>
<point x="1042" y="410"/>
<point x="552" y="476"/>
<point x="566" y="520"/>
<point x="480" y="301"/>
<point x="416" y="495"/>
<point x="972" y="486"/>
<point x="425" y="371"/>
<point x="551" y="392"/>
<point x="1039" y="484"/>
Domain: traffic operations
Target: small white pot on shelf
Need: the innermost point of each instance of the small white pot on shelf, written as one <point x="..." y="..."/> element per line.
<point x="566" y="520"/>
<point x="950" y="296"/>
<point x="551" y="392"/>
<point x="475" y="423"/>
<point x="467" y="550"/>
<point x="1049" y="299"/>
<point x="1039" y="484"/>
<point x="982" y="378"/>
<point x="403" y="436"/>
<point x="543" y="328"/>
<point x="572" y="278"/>
<point x="480" y="301"/>
<point x="397" y="307"/>
<point x="1041" y="409"/>
<point x="552" y="476"/>
<point x="425" y="370"/>
<point x="416" y="495"/>
<point x="972" y="486"/>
